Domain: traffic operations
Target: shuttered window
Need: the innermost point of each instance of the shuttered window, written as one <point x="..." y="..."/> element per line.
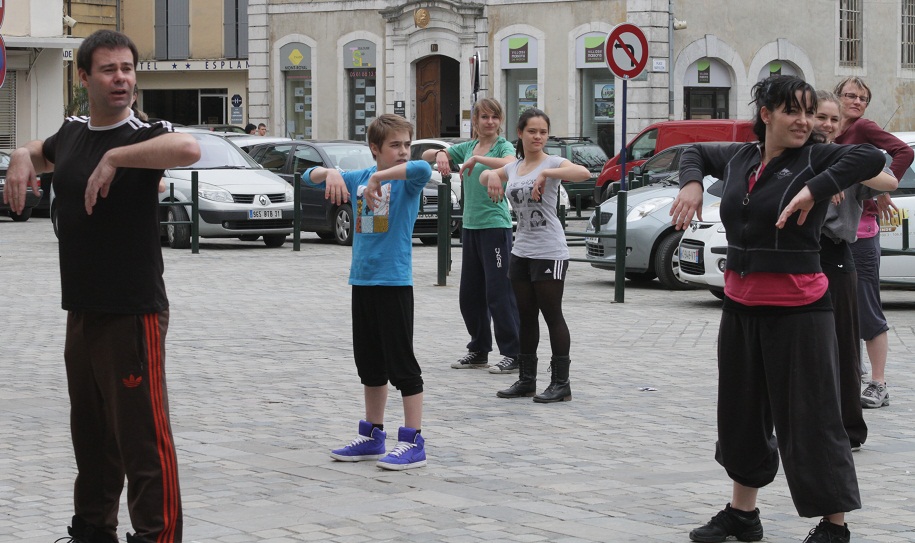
<point x="8" y="112"/>
<point x="235" y="23"/>
<point x="172" y="28"/>
<point x="907" y="57"/>
<point x="850" y="33"/>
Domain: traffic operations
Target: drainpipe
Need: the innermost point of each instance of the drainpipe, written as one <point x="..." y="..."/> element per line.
<point x="670" y="59"/>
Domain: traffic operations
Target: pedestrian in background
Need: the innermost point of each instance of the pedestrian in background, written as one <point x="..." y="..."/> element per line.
<point x="540" y="255"/>
<point x="855" y="96"/>
<point x="262" y="129"/>
<point x="777" y="348"/>
<point x="486" y="240"/>
<point x="112" y="289"/>
<point x="386" y="204"/>
<point x="251" y="129"/>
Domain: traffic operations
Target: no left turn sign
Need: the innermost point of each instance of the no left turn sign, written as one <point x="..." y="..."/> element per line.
<point x="626" y="51"/>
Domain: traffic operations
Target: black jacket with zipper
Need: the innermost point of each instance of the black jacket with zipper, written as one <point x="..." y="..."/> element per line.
<point x="749" y="217"/>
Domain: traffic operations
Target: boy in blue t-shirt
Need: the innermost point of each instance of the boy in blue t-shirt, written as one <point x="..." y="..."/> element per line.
<point x="386" y="202"/>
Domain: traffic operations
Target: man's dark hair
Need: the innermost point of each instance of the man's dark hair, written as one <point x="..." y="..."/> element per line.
<point x="109" y="39"/>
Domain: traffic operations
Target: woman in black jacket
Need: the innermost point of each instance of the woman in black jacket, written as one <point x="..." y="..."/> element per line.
<point x="777" y="350"/>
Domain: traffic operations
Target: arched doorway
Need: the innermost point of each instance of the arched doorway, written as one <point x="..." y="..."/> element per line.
<point x="438" y="100"/>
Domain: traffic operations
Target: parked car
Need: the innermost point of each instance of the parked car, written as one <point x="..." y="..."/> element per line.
<point x="703" y="249"/>
<point x="237" y="198"/>
<point x="651" y="240"/>
<point x="418" y="147"/>
<point x="659" y="136"/>
<point x="247" y="142"/>
<point x="582" y="151"/>
<point x="31" y="199"/>
<point x="320" y="215"/>
<point x="220" y="128"/>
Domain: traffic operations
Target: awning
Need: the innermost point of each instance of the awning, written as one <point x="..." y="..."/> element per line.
<point x="31" y="42"/>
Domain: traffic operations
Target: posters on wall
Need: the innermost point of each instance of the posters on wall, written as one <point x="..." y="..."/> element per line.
<point x="527" y="96"/>
<point x="604" y="96"/>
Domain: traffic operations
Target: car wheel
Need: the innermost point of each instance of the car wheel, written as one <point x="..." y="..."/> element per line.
<point x="275" y="240"/>
<point x="53" y="214"/>
<point x="667" y="262"/>
<point x="641" y="277"/>
<point x="325" y="235"/>
<point x="21" y="217"/>
<point x="249" y="237"/>
<point x="429" y="240"/>
<point x="717" y="293"/>
<point x="343" y="225"/>
<point x="179" y="235"/>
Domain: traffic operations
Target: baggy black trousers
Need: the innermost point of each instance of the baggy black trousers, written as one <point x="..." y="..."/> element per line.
<point x="120" y="425"/>
<point x="486" y="292"/>
<point x="778" y="369"/>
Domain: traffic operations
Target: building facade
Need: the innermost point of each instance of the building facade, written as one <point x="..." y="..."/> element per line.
<point x="193" y="65"/>
<point x="324" y="69"/>
<point x="37" y="48"/>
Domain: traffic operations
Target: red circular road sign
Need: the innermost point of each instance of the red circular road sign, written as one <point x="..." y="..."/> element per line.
<point x="626" y="51"/>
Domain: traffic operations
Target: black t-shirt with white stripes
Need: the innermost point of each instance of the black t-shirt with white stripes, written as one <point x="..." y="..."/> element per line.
<point x="110" y="261"/>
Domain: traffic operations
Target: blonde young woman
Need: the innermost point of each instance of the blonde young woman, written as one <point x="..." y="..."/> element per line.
<point x="486" y="237"/>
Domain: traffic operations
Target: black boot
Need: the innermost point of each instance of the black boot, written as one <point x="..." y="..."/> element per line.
<point x="560" y="390"/>
<point x="526" y="385"/>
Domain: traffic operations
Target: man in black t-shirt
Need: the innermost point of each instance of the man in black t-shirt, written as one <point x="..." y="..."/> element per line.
<point x="108" y="166"/>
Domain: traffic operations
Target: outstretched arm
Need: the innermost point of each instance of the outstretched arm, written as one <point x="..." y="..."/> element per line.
<point x="159" y="153"/>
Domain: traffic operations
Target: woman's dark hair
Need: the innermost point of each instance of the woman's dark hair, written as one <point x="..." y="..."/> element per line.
<point x="250" y="128"/>
<point x="772" y="92"/>
<point x="528" y="114"/>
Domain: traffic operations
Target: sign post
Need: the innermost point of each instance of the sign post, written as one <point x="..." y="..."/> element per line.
<point x="2" y="45"/>
<point x="626" y="54"/>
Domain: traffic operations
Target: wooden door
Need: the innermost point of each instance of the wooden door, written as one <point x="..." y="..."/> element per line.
<point x="428" y="98"/>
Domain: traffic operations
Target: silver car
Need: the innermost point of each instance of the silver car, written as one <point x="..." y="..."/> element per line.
<point x="237" y="197"/>
<point x="651" y="240"/>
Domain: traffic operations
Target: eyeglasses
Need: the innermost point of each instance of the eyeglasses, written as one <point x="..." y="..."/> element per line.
<point x="852" y="96"/>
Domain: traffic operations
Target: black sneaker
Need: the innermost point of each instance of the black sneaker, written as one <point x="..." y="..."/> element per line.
<point x="827" y="532"/>
<point x="743" y="526"/>
<point x="508" y="364"/>
<point x="473" y="359"/>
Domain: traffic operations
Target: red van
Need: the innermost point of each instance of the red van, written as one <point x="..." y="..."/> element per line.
<point x="659" y="136"/>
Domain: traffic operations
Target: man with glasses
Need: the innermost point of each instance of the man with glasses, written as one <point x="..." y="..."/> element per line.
<point x="855" y="96"/>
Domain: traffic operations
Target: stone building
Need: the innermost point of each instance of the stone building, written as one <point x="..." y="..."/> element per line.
<point x="323" y="69"/>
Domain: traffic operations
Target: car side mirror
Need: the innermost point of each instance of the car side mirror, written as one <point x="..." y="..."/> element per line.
<point x="716" y="188"/>
<point x="637" y="170"/>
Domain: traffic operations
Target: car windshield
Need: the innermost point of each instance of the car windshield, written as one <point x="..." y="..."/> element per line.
<point x="590" y="156"/>
<point x="349" y="156"/>
<point x="216" y="152"/>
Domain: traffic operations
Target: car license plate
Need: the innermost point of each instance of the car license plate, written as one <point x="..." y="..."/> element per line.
<point x="591" y="240"/>
<point x="689" y="255"/>
<point x="426" y="216"/>
<point x="265" y="213"/>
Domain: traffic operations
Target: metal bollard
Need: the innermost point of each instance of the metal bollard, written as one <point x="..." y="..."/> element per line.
<point x="297" y="212"/>
<point x="195" y="214"/>
<point x="444" y="233"/>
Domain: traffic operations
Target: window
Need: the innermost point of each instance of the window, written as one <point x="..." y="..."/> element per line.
<point x="907" y="57"/>
<point x="850" y="30"/>
<point x="235" y="24"/>
<point x="172" y="29"/>
<point x="8" y="112"/>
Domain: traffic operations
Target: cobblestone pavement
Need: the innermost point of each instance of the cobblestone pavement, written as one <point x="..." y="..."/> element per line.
<point x="262" y="386"/>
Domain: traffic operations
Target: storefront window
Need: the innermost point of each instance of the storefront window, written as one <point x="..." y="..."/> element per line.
<point x="519" y="62"/>
<point x="598" y="93"/>
<point x="359" y="63"/>
<point x="296" y="66"/>
<point x="361" y="100"/>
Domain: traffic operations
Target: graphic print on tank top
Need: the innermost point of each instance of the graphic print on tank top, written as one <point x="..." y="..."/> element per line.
<point x="373" y="221"/>
<point x="530" y="214"/>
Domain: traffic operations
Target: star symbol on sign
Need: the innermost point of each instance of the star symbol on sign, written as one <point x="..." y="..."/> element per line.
<point x="174" y="66"/>
<point x="188" y="65"/>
